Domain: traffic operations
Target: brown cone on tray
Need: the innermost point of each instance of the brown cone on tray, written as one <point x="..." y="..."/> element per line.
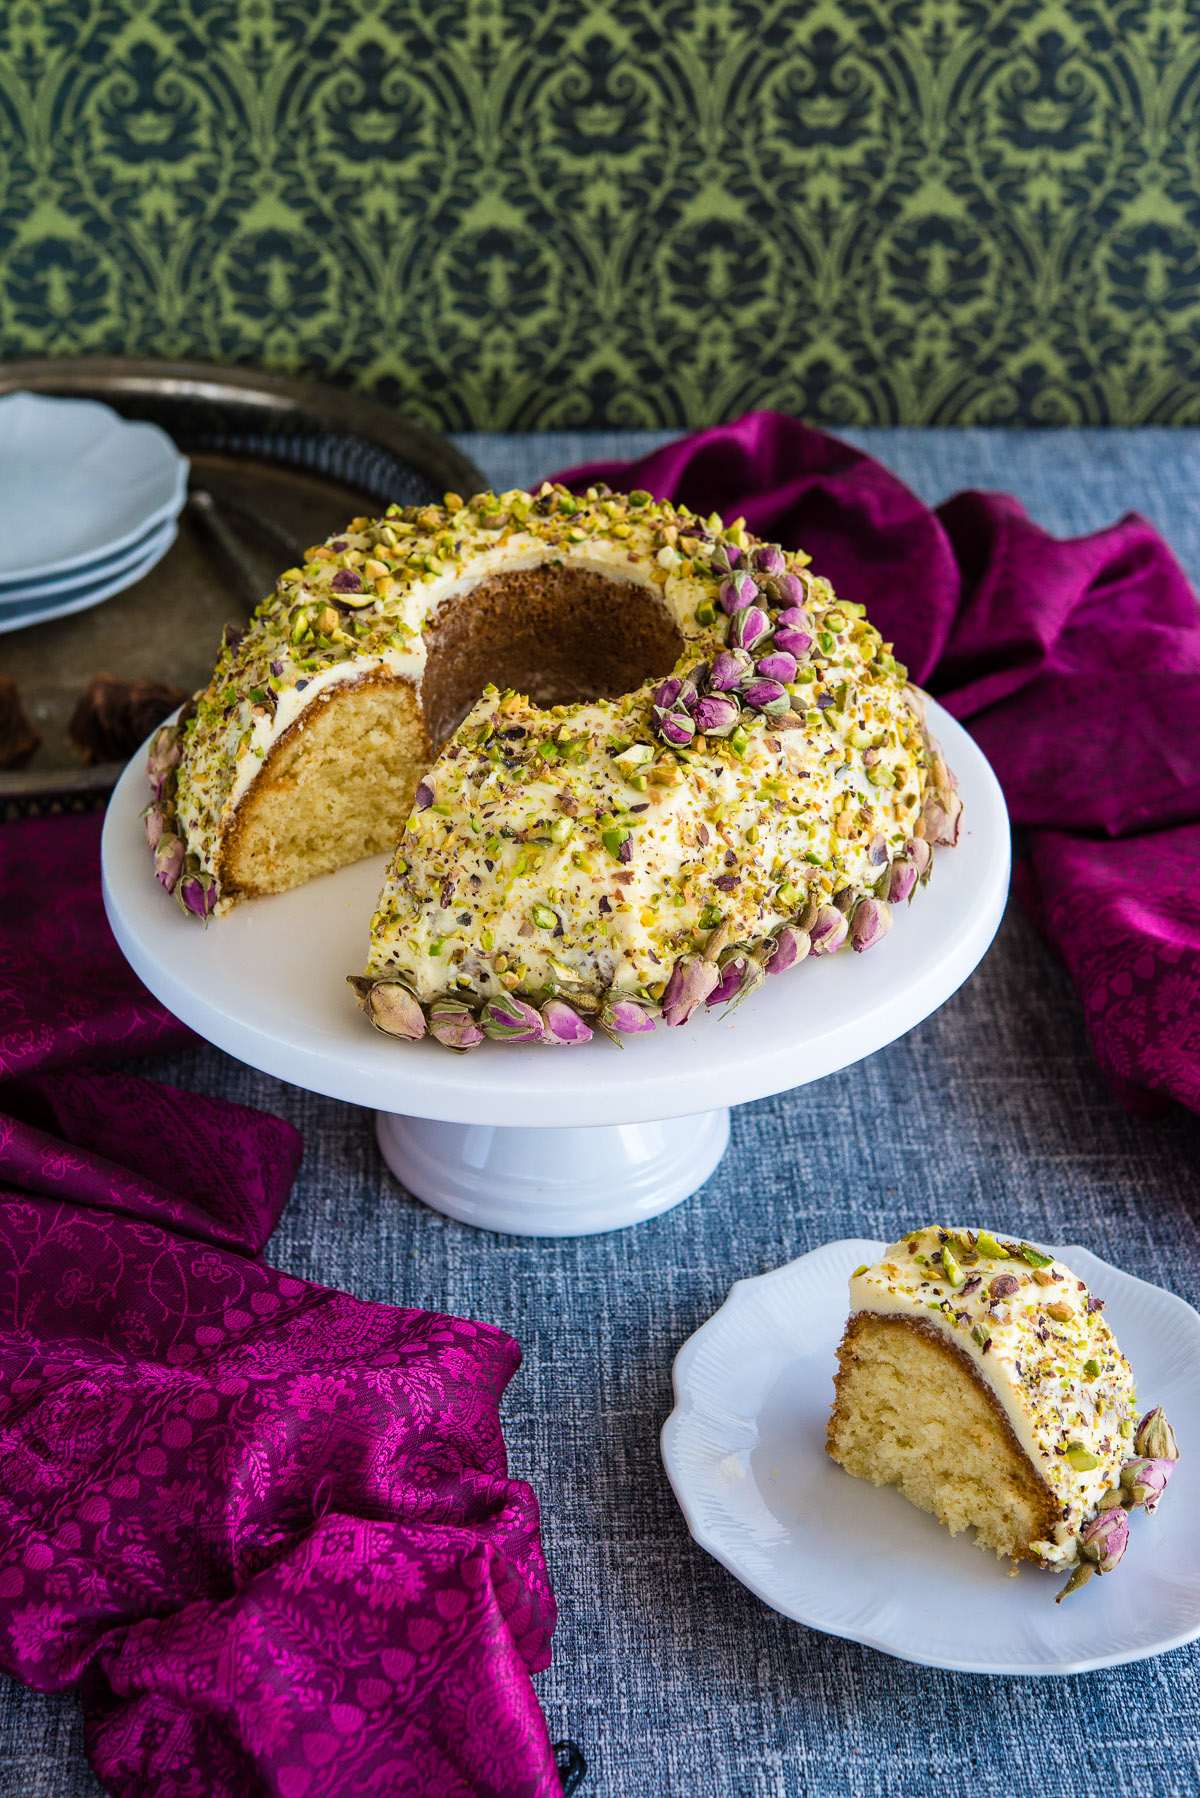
<point x="114" y="717"/>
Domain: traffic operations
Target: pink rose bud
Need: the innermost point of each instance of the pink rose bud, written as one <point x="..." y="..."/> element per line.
<point x="767" y="696"/>
<point x="792" y="590"/>
<point x="168" y="860"/>
<point x="730" y="668"/>
<point x="829" y="931"/>
<point x="1105" y="1539"/>
<point x="795" y="643"/>
<point x="510" y="1020"/>
<point x="665" y="695"/>
<point x="737" y="592"/>
<point x="791" y="946"/>
<point x="562" y="1024"/>
<point x="677" y="728"/>
<point x="920" y="854"/>
<point x="778" y="665"/>
<point x="155" y="822"/>
<point x="749" y="628"/>
<point x="739" y="977"/>
<point x="716" y="715"/>
<point x="870" y="924"/>
<point x="768" y="559"/>
<point x="393" y="1010"/>
<point x="943" y="810"/>
<point x="903" y="882"/>
<point x="626" y="1017"/>
<point x="197" y="894"/>
<point x="690" y="984"/>
<point x="452" y="1024"/>
<point x="1145" y="1481"/>
<point x="796" y="618"/>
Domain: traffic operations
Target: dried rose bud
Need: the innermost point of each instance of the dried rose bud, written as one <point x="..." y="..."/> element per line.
<point x="394" y="1011"/>
<point x="725" y="557"/>
<point x="737" y="592"/>
<point x="562" y="1024"/>
<point x="1145" y="1481"/>
<point x="828" y="931"/>
<point x="197" y="894"/>
<point x="748" y="628"/>
<point x="942" y="813"/>
<point x="768" y="696"/>
<point x="453" y="1024"/>
<point x="903" y="882"/>
<point x="870" y="924"/>
<point x="665" y="694"/>
<point x="797" y="643"/>
<point x="778" y="665"/>
<point x="792" y="590"/>
<point x="1105" y="1539"/>
<point x="677" y="728"/>
<point x="729" y="669"/>
<point x="155" y="822"/>
<point x="690" y="984"/>
<point x="511" y="1020"/>
<point x="791" y="946"/>
<point x="920" y="853"/>
<point x="626" y="1016"/>
<point x="1155" y="1438"/>
<point x="769" y="559"/>
<point x="716" y="715"/>
<point x="169" y="852"/>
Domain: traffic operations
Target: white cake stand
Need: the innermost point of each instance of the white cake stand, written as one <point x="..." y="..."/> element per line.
<point x="529" y="1140"/>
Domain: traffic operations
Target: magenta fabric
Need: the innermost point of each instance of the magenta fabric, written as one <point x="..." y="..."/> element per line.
<point x="264" y="1529"/>
<point x="1075" y="665"/>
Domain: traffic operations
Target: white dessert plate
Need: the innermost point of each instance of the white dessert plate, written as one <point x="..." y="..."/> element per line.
<point x="80" y="597"/>
<point x="34" y="595"/>
<point x="78" y="483"/>
<point x="744" y="1449"/>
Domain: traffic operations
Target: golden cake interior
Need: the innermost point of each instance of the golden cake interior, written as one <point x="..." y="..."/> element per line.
<point x="339" y="784"/>
<point x="910" y="1411"/>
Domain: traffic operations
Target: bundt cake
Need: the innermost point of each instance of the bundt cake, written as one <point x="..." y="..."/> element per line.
<point x="690" y="766"/>
<point x="979" y="1376"/>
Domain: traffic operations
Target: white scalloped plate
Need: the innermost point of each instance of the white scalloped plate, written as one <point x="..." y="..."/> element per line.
<point x="744" y="1450"/>
<point x="78" y="484"/>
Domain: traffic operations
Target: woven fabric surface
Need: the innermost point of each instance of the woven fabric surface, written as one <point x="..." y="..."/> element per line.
<point x="676" y="1680"/>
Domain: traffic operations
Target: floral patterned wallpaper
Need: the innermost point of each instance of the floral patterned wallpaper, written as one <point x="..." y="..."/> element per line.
<point x="512" y="214"/>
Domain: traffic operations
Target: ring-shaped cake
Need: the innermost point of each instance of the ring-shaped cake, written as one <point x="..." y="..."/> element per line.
<point x="690" y="766"/>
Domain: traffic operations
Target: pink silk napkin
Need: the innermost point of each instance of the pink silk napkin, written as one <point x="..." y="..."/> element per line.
<point x="263" y="1529"/>
<point x="1075" y="664"/>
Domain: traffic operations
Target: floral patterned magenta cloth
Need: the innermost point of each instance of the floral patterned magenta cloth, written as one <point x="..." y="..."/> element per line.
<point x="1075" y="665"/>
<point x="263" y="1529"/>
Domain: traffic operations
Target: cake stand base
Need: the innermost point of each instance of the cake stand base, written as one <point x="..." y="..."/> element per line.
<point x="552" y="1182"/>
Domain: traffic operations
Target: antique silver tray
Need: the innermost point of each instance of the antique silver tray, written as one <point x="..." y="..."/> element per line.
<point x="277" y="465"/>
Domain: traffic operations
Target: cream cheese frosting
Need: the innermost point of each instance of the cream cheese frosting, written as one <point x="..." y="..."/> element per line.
<point x="1037" y="1337"/>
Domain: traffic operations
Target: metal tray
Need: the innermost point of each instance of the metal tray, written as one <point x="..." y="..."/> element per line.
<point x="276" y="465"/>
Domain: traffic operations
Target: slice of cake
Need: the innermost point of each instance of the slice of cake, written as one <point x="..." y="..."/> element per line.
<point x="979" y="1376"/>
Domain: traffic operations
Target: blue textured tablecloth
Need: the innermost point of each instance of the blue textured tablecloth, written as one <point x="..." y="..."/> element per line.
<point x="672" y="1676"/>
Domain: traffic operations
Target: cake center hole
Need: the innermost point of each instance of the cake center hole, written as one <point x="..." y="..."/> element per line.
<point x="561" y="635"/>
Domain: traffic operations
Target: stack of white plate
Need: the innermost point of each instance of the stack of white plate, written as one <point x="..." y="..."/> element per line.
<point x="88" y="504"/>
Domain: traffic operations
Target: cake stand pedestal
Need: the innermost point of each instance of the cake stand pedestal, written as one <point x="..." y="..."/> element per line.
<point x="524" y="1139"/>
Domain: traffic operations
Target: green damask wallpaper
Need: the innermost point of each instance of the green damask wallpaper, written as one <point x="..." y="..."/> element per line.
<point x="520" y="213"/>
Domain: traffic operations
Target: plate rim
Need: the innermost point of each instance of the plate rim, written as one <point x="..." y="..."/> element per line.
<point x="684" y="1407"/>
<point x="170" y="453"/>
<point x="65" y="606"/>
